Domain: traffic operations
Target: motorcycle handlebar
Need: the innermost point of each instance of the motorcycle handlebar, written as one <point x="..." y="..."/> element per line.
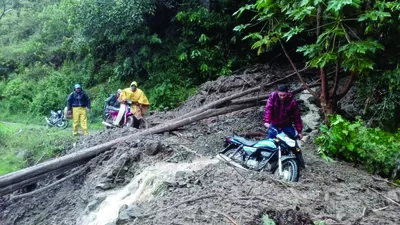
<point x="296" y="137"/>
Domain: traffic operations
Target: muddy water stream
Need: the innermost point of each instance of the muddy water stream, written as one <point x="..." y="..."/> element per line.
<point x="140" y="189"/>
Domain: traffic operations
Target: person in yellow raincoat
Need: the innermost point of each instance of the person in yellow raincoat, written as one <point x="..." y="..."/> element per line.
<point x="140" y="103"/>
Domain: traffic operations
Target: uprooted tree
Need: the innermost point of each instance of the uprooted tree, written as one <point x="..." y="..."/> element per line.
<point x="345" y="37"/>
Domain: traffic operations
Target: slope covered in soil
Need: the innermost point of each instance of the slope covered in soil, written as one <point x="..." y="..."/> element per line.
<point x="174" y="178"/>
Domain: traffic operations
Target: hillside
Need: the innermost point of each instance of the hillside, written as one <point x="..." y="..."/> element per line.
<point x="183" y="183"/>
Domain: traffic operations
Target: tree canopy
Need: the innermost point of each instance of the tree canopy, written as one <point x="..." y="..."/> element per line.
<point x="172" y="46"/>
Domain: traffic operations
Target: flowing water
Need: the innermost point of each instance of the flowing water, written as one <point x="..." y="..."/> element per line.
<point x="140" y="189"/>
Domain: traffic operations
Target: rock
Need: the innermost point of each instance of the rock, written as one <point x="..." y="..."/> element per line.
<point x="127" y="213"/>
<point x="110" y="174"/>
<point x="123" y="216"/>
<point x="307" y="129"/>
<point x="104" y="186"/>
<point x="314" y="101"/>
<point x="133" y="211"/>
<point x="152" y="147"/>
<point x="94" y="203"/>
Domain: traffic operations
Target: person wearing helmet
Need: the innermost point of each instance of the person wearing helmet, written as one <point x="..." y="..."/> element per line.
<point x="78" y="103"/>
<point x="140" y="103"/>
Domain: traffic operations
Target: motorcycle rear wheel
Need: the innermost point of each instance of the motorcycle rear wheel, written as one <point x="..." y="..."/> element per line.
<point x="290" y="171"/>
<point x="129" y="121"/>
<point x="62" y="124"/>
<point x="237" y="157"/>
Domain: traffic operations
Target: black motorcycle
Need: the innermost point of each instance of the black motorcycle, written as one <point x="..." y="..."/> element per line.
<point x="280" y="155"/>
<point x="57" y="119"/>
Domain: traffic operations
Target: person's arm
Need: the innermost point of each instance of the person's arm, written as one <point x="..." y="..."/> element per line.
<point x="122" y="96"/>
<point x="108" y="100"/>
<point x="268" y="110"/>
<point x="69" y="102"/>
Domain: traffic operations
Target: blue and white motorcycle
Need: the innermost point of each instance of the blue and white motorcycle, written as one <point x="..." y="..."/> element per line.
<point x="280" y="155"/>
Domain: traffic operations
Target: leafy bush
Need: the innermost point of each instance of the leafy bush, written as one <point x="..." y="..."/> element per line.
<point x="376" y="150"/>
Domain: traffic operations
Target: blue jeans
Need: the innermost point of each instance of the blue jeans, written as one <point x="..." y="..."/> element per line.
<point x="290" y="131"/>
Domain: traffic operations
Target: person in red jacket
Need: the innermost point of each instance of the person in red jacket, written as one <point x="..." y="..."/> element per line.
<point x="282" y="112"/>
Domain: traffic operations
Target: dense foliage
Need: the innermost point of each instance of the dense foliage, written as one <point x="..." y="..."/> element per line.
<point x="374" y="149"/>
<point x="168" y="47"/>
<point x="346" y="37"/>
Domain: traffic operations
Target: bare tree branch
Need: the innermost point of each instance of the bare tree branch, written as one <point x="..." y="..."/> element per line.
<point x="305" y="85"/>
<point x="346" y="89"/>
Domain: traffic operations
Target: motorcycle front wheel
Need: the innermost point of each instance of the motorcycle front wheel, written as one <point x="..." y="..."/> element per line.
<point x="290" y="171"/>
<point x="129" y="121"/>
<point x="62" y="124"/>
<point x="109" y="120"/>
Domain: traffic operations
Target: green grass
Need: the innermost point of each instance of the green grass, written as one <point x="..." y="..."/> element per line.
<point x="26" y="145"/>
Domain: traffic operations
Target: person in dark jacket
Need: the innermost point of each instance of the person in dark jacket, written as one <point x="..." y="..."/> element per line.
<point x="113" y="99"/>
<point x="282" y="112"/>
<point x="78" y="103"/>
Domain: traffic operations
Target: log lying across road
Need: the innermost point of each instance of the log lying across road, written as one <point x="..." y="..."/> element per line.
<point x="19" y="179"/>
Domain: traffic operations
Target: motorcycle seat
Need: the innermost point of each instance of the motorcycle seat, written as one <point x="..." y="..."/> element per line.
<point x="112" y="108"/>
<point x="244" y="141"/>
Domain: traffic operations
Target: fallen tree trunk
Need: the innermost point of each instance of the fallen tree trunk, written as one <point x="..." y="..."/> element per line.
<point x="35" y="173"/>
<point x="32" y="174"/>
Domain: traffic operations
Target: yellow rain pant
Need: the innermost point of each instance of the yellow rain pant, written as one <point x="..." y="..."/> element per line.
<point x="79" y="114"/>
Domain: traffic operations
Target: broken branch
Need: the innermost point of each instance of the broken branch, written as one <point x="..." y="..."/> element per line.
<point x="391" y="200"/>
<point x="226" y="216"/>
<point x="297" y="72"/>
<point x="15" y="197"/>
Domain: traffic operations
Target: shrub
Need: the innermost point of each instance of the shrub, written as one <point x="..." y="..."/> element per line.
<point x="375" y="149"/>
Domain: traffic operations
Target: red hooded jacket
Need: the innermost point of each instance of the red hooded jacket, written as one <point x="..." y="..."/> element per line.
<point x="283" y="113"/>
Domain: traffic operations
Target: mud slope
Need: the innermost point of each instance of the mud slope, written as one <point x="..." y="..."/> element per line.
<point x="173" y="178"/>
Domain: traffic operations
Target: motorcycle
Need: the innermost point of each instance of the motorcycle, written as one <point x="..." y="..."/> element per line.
<point x="280" y="155"/>
<point x="57" y="119"/>
<point x="110" y="113"/>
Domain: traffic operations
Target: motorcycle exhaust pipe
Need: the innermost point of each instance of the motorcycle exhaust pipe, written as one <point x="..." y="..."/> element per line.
<point x="107" y="124"/>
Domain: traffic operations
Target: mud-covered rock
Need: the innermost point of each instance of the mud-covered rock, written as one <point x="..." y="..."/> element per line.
<point x="152" y="147"/>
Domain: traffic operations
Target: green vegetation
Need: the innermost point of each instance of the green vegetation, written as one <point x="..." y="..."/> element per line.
<point x="267" y="221"/>
<point x="374" y="149"/>
<point x="345" y="37"/>
<point x="48" y="46"/>
<point x="26" y="145"/>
